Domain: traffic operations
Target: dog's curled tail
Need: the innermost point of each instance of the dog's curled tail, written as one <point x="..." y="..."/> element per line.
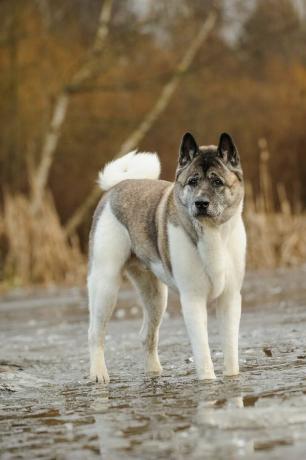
<point x="133" y="165"/>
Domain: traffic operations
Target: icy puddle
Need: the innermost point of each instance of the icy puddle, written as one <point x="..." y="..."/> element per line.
<point x="50" y="410"/>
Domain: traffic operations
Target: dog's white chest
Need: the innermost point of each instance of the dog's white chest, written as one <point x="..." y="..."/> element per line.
<point x="199" y="270"/>
<point x="215" y="258"/>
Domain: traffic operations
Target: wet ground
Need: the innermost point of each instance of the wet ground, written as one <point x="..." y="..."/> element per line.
<point x="50" y="410"/>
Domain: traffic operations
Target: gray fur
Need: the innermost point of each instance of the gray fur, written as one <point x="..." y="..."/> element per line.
<point x="130" y="228"/>
<point x="153" y="295"/>
<point x="135" y="203"/>
<point x="207" y="166"/>
<point x="145" y="206"/>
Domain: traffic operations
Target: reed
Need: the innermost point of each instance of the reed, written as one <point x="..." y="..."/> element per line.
<point x="276" y="231"/>
<point x="34" y="246"/>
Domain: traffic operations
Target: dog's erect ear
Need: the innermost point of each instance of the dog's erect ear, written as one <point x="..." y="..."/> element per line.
<point x="227" y="150"/>
<point x="188" y="150"/>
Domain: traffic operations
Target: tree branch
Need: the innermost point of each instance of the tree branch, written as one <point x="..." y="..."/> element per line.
<point x="152" y="116"/>
<point x="58" y="117"/>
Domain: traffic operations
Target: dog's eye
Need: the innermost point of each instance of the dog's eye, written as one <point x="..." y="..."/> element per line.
<point x="217" y="182"/>
<point x="193" y="181"/>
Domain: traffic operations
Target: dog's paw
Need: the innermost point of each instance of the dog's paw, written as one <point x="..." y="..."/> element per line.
<point x="231" y="372"/>
<point x="99" y="375"/>
<point x="206" y="375"/>
<point x="153" y="366"/>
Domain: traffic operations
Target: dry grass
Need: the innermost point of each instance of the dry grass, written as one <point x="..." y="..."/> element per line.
<point x="275" y="239"/>
<point x="35" y="247"/>
<point x="276" y="231"/>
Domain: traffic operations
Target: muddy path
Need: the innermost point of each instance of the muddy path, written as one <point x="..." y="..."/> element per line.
<point x="50" y="410"/>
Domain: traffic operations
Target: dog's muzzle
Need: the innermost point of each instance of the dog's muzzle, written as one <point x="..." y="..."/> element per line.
<point x="201" y="207"/>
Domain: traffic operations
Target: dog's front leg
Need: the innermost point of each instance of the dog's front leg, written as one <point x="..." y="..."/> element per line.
<point x="229" y="312"/>
<point x="195" y="316"/>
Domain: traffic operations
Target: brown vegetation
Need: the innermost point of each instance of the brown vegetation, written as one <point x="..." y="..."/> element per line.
<point x="37" y="250"/>
<point x="276" y="231"/>
<point x="79" y="83"/>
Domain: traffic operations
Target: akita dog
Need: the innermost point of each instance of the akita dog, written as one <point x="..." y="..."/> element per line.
<point x="188" y="235"/>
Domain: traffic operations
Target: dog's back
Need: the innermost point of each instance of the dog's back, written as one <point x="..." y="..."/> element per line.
<point x="135" y="203"/>
<point x="133" y="194"/>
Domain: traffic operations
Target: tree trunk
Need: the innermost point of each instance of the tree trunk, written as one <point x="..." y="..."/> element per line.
<point x="87" y="71"/>
<point x="152" y="116"/>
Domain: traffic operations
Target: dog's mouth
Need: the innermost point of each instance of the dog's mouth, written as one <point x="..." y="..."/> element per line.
<point x="201" y="213"/>
<point x="204" y="213"/>
<point x="208" y="213"/>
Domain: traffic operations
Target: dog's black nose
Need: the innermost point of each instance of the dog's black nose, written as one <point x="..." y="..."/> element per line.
<point x="201" y="205"/>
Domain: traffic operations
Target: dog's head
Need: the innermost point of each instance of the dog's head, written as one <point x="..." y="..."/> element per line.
<point x="209" y="180"/>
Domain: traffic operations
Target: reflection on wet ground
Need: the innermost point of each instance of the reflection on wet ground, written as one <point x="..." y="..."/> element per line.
<point x="50" y="410"/>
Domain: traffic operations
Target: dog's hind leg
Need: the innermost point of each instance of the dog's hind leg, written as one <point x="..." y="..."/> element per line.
<point x="153" y="294"/>
<point x="110" y="251"/>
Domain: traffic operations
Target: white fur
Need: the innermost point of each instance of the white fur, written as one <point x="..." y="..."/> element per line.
<point x="111" y="249"/>
<point x="193" y="285"/>
<point x="212" y="271"/>
<point x="133" y="165"/>
<point x="159" y="271"/>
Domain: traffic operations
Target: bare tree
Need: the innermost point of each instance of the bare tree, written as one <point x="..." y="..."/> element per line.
<point x="87" y="71"/>
<point x="152" y="116"/>
<point x="12" y="164"/>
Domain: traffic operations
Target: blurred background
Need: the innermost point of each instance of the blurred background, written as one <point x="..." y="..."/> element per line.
<point x="84" y="81"/>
